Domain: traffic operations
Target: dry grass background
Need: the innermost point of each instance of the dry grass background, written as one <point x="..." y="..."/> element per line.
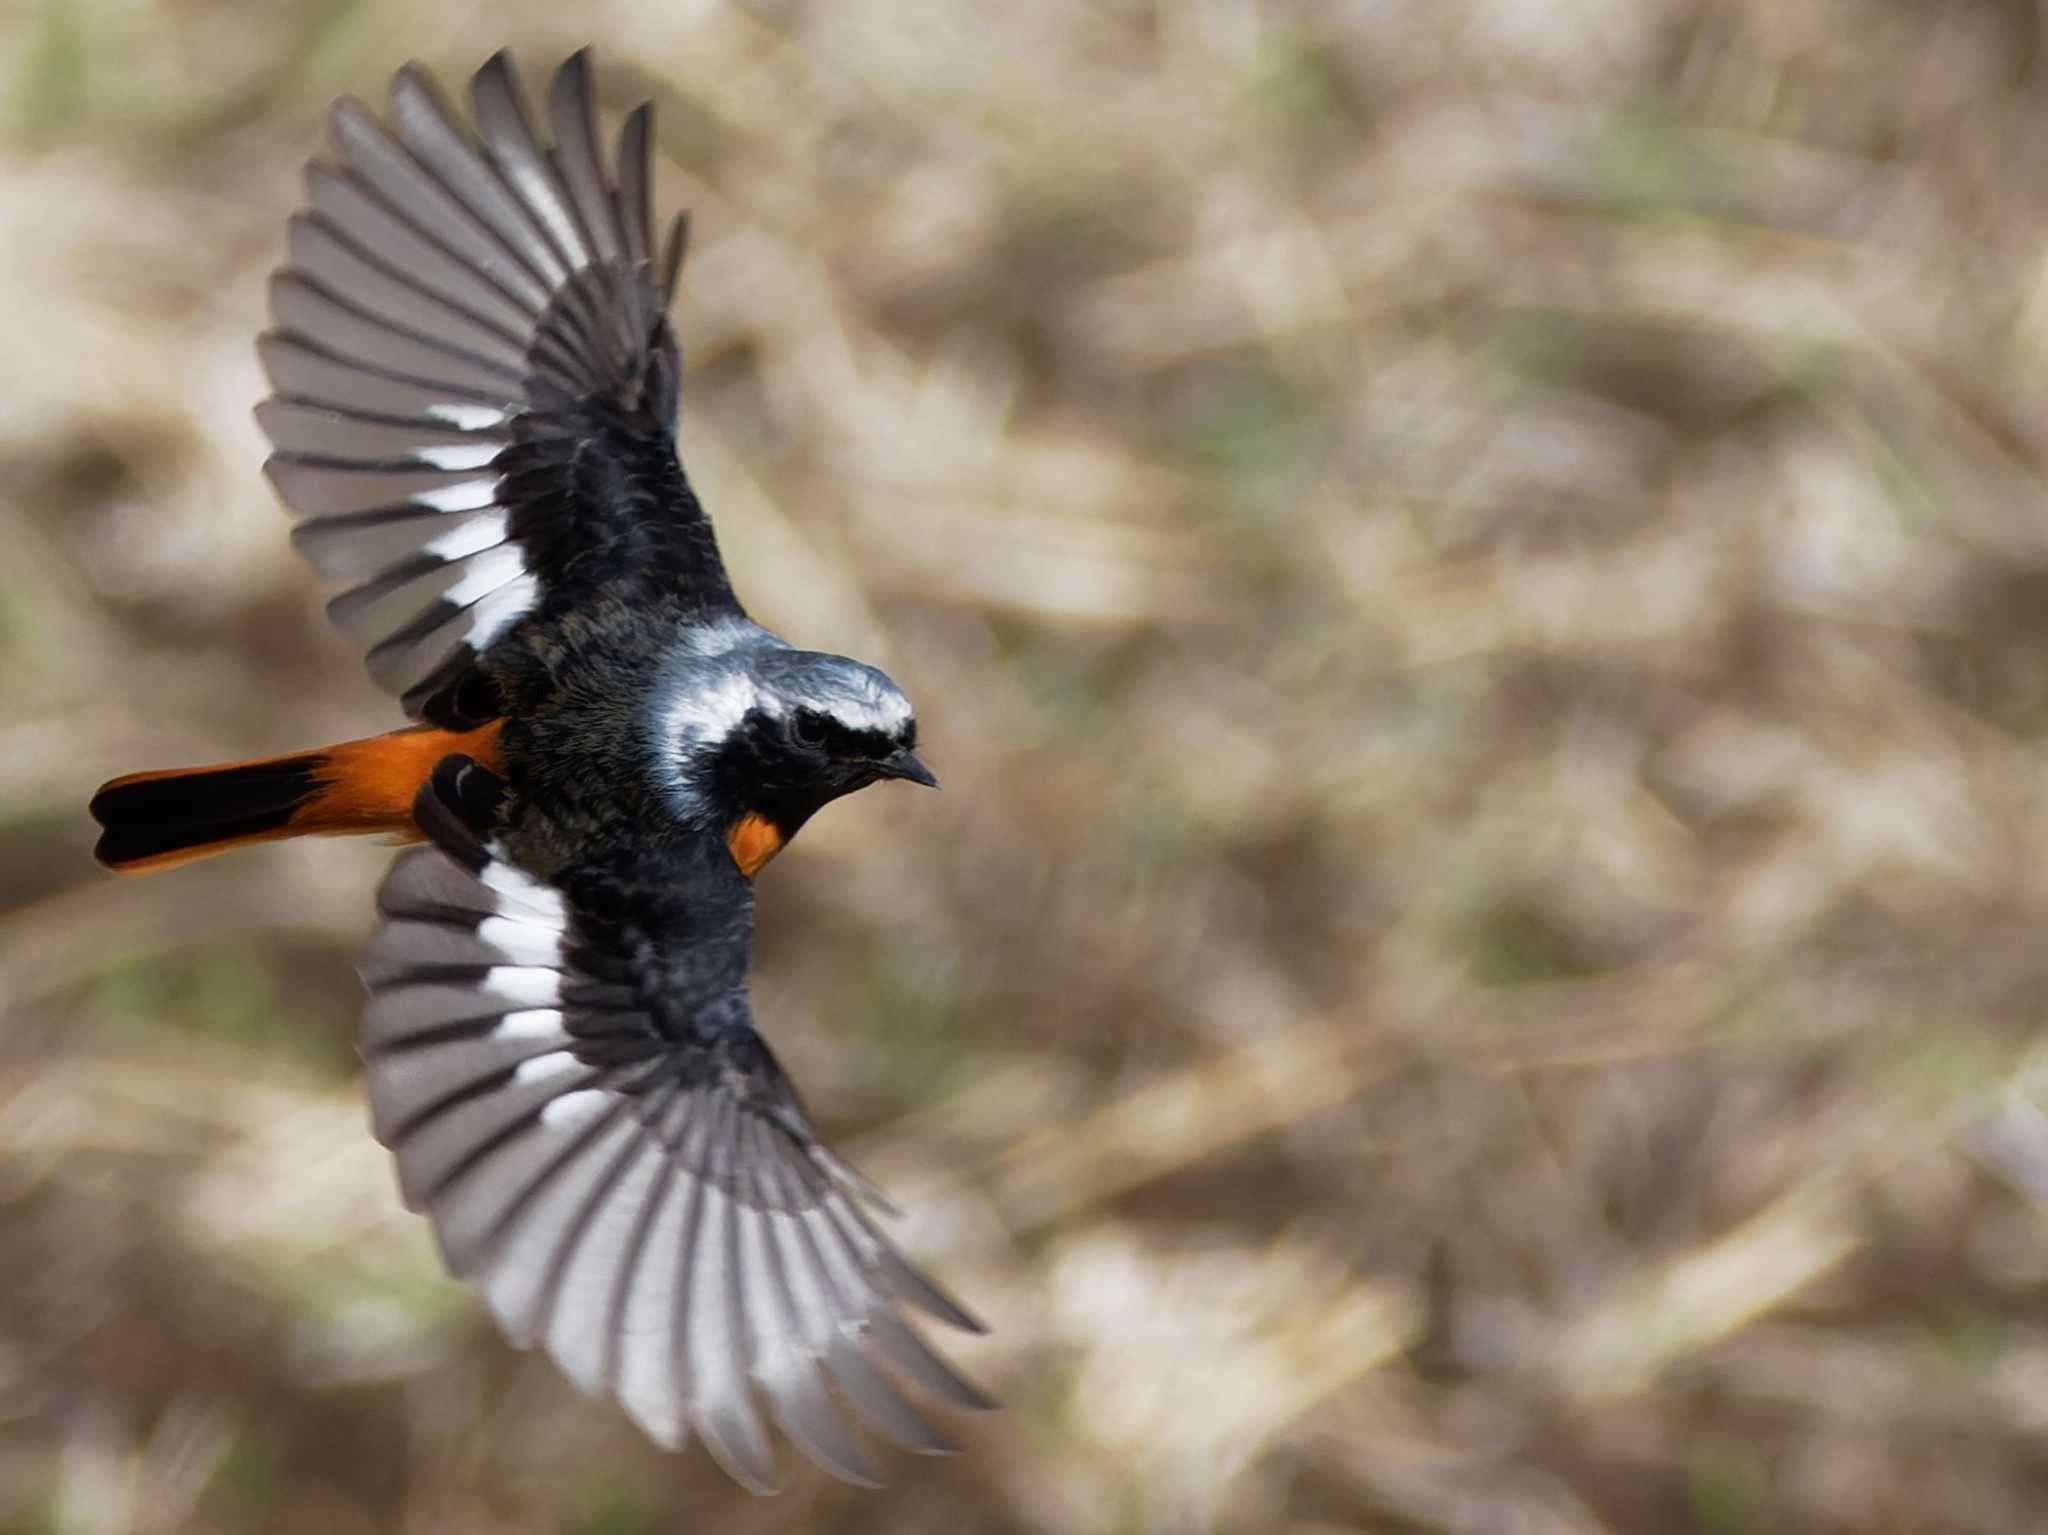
<point x="1477" y="573"/>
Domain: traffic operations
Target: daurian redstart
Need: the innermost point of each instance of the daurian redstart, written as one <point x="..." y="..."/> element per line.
<point x="474" y="423"/>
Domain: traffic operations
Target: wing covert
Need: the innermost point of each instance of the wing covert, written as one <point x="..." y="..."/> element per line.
<point x="475" y="383"/>
<point x="607" y="1149"/>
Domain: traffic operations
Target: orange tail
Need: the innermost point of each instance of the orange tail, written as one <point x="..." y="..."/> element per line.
<point x="159" y="820"/>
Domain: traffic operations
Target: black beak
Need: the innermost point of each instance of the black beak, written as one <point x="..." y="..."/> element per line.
<point x="904" y="764"/>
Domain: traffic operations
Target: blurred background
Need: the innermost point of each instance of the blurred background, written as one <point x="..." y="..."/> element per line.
<point x="1476" y="572"/>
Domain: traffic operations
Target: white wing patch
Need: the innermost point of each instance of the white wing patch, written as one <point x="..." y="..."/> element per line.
<point x="469" y="535"/>
<point x="523" y="892"/>
<point x="521" y="943"/>
<point x="524" y="986"/>
<point x="538" y="1068"/>
<point x="463" y="496"/>
<point x="458" y="455"/>
<point x="572" y="1109"/>
<point x="468" y="418"/>
<point x="530" y="1023"/>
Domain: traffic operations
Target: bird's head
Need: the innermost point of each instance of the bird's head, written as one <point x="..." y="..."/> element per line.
<point x="762" y="737"/>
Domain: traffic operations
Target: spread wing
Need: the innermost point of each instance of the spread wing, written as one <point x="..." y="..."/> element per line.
<point x="475" y="381"/>
<point x="608" y="1150"/>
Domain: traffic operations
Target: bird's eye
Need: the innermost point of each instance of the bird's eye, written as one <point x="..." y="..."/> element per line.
<point x="807" y="728"/>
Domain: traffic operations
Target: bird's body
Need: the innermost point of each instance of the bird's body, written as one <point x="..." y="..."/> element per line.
<point x="476" y="390"/>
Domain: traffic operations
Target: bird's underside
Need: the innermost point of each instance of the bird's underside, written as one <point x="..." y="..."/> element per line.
<point x="473" y="421"/>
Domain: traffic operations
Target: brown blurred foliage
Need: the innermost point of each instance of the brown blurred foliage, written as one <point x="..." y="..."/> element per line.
<point x="1477" y="574"/>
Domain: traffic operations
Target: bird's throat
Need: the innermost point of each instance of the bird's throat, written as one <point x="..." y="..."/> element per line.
<point x="754" y="839"/>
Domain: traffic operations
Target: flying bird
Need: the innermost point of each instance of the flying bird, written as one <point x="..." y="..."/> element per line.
<point x="475" y="390"/>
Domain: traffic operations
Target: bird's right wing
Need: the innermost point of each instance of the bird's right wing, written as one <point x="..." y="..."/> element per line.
<point x="605" y="1147"/>
<point x="475" y="381"/>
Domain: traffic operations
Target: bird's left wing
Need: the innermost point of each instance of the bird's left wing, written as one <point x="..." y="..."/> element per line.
<point x="476" y="384"/>
<point x="637" y="1191"/>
